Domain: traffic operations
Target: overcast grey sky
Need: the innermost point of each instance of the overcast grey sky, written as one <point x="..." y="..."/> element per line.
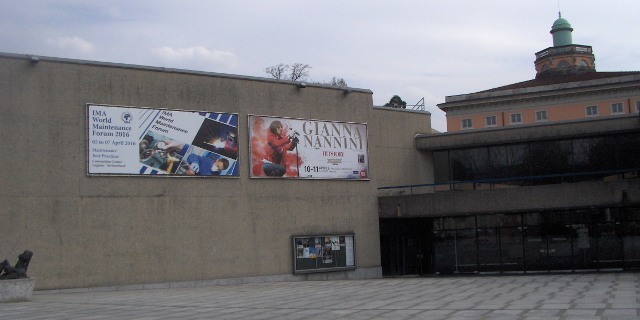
<point x="411" y="48"/>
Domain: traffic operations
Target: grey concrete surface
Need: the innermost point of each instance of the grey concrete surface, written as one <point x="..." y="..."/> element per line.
<point x="567" y="296"/>
<point x="16" y="290"/>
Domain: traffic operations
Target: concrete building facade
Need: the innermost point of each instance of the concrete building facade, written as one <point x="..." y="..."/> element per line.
<point x="536" y="176"/>
<point x="110" y="231"/>
<point x="536" y="198"/>
<point x="558" y="192"/>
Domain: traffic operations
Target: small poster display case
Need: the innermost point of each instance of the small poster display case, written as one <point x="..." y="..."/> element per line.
<point x="323" y="253"/>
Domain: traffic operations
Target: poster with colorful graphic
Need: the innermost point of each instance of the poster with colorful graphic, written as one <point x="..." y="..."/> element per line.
<point x="145" y="141"/>
<point x="307" y="149"/>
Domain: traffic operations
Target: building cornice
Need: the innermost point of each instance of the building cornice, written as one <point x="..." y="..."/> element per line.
<point x="33" y="58"/>
<point x="542" y="92"/>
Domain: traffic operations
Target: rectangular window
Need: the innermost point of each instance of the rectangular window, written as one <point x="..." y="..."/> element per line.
<point x="617" y="108"/>
<point x="541" y="115"/>
<point x="550" y="157"/>
<point x="592" y="111"/>
<point x="516" y="118"/>
<point x="441" y="167"/>
<point x="509" y="161"/>
<point x="466" y="124"/>
<point x="469" y="164"/>
<point x="491" y="121"/>
<point x="638" y="106"/>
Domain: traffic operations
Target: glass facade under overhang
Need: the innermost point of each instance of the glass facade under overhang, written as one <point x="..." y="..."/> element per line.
<point x="567" y="240"/>
<point x="604" y="157"/>
<point x="429" y="233"/>
<point x="593" y="239"/>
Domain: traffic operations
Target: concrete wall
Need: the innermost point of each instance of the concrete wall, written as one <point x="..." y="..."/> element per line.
<point x="396" y="160"/>
<point x="115" y="231"/>
<point x="546" y="197"/>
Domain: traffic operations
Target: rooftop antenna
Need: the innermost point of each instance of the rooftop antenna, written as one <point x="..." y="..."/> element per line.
<point x="559" y="14"/>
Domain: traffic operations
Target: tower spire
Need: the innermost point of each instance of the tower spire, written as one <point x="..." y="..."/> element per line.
<point x="559" y="14"/>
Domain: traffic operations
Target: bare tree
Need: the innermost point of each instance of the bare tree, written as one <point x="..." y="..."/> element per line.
<point x="335" y="81"/>
<point x="278" y="71"/>
<point x="338" y="82"/>
<point x="295" y="72"/>
<point x="299" y="71"/>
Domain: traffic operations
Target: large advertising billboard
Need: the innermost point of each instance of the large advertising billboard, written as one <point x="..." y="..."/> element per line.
<point x="145" y="141"/>
<point x="307" y="149"/>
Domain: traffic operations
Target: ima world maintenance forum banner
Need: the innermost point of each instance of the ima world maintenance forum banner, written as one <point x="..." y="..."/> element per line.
<point x="145" y="141"/>
<point x="308" y="149"/>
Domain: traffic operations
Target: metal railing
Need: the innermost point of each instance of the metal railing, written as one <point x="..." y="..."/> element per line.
<point x="563" y="50"/>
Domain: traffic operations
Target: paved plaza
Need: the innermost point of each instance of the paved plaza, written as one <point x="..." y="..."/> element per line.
<point x="567" y="296"/>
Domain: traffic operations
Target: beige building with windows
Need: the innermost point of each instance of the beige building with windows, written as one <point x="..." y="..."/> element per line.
<point x="566" y="87"/>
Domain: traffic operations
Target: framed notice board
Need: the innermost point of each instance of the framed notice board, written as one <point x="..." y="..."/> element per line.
<point x="323" y="253"/>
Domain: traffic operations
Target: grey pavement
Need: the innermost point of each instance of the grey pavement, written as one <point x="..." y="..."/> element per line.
<point x="566" y="296"/>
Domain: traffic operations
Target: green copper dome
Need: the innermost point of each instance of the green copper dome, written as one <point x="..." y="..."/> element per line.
<point x="561" y="23"/>
<point x="561" y="31"/>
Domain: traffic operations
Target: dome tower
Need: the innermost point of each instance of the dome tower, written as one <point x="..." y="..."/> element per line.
<point x="564" y="57"/>
<point x="561" y="31"/>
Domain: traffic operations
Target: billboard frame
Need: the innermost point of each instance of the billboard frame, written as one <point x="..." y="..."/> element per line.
<point x="88" y="145"/>
<point x="349" y="252"/>
<point x="251" y="151"/>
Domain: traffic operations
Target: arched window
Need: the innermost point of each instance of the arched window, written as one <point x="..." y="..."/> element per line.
<point x="564" y="64"/>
